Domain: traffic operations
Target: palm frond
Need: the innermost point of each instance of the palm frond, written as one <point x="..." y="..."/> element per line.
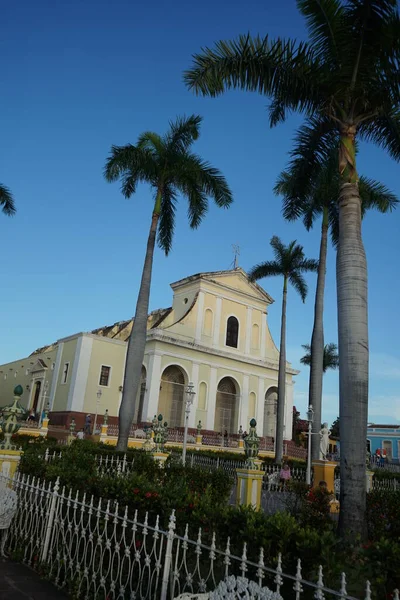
<point x="278" y="248"/>
<point x="306" y="359"/>
<point x="384" y="131"/>
<point x="152" y="142"/>
<point x="376" y="195"/>
<point x="325" y="23"/>
<point x="166" y="224"/>
<point x="7" y="202"/>
<point x="265" y="269"/>
<point x="183" y="132"/>
<point x="299" y="284"/>
<point x="308" y="265"/>
<point x="330" y="360"/>
<point x="270" y="67"/>
<point x="197" y="205"/>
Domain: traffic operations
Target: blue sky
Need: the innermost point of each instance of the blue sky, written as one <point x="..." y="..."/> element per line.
<point x="80" y="76"/>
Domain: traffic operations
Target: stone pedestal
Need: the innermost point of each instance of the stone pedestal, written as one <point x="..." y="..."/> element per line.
<point x="199" y="439"/>
<point x="160" y="457"/>
<point x="44" y="429"/>
<point x="370" y="477"/>
<point x="249" y="487"/>
<point x="241" y="444"/>
<point x="9" y="461"/>
<point x="324" y="470"/>
<point x="103" y="432"/>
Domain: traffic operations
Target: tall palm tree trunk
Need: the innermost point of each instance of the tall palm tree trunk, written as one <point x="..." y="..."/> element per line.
<point x="137" y="339"/>
<point x="280" y="416"/>
<point x="317" y="340"/>
<point x="351" y="273"/>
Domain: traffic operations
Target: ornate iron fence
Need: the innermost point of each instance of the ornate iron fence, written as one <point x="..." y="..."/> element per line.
<point x="93" y="549"/>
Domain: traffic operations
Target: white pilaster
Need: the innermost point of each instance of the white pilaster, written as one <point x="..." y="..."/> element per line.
<point x="212" y="398"/>
<point x="150" y="406"/>
<point x="260" y="406"/>
<point x="200" y="316"/>
<point x="249" y="318"/>
<point x="244" y="404"/>
<point x="217" y="324"/>
<point x="288" y="411"/>
<point x="56" y="373"/>
<point x="195" y="381"/>
<point x="79" y="376"/>
<point x="263" y="335"/>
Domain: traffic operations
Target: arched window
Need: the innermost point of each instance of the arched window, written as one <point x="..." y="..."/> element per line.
<point x="226" y="406"/>
<point x="208" y="322"/>
<point x="232" y="332"/>
<point x="255" y="337"/>
<point x="171" y="398"/>
<point x="270" y="410"/>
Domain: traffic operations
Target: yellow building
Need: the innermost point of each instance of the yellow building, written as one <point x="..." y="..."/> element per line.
<point x="215" y="336"/>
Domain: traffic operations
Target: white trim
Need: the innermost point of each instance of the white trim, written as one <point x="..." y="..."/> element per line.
<point x="217" y="325"/>
<point x="263" y="342"/>
<point x="195" y="381"/>
<point x="244" y="402"/>
<point x="65" y="375"/>
<point x="109" y="376"/>
<point x="249" y="330"/>
<point x="226" y="331"/>
<point x="150" y="404"/>
<point x="212" y="397"/>
<point x="260" y="399"/>
<point x="56" y="372"/>
<point x="199" y="320"/>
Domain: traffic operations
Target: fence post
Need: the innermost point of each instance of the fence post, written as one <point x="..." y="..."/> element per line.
<point x="191" y="460"/>
<point x="50" y="521"/>
<point x="168" y="556"/>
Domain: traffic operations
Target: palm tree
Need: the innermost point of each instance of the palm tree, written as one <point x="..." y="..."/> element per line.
<point x="290" y="263"/>
<point x="321" y="198"/>
<point x="7" y="201"/>
<point x="345" y="81"/>
<point x="170" y="168"/>
<point x="330" y="358"/>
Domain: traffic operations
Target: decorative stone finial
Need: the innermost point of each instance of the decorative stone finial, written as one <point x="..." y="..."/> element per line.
<point x="251" y="445"/>
<point x="199" y="427"/>
<point x="18" y="391"/>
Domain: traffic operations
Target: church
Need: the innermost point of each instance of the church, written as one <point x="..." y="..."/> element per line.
<point x="215" y="336"/>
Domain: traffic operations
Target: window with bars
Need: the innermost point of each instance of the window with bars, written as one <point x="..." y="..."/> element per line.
<point x="104" y="375"/>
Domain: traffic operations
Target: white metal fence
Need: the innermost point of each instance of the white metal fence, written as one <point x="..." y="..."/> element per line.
<point x="94" y="550"/>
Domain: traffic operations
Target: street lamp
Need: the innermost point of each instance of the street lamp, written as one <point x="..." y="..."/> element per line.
<point x="99" y="394"/>
<point x="190" y="394"/>
<point x="310" y="419"/>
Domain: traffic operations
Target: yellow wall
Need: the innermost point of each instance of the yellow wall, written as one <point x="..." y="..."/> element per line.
<point x="111" y="354"/>
<point x="20" y="368"/>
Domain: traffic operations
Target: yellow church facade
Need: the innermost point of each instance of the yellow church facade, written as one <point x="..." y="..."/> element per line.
<point x="215" y="336"/>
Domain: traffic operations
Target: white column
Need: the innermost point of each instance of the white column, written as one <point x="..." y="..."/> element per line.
<point x="212" y="398"/>
<point x="200" y="316"/>
<point x="260" y="406"/>
<point x="56" y="372"/>
<point x="263" y="335"/>
<point x="249" y="318"/>
<point x="217" y="323"/>
<point x="79" y="376"/>
<point x="244" y="404"/>
<point x="288" y="411"/>
<point x="150" y="405"/>
<point x="195" y="381"/>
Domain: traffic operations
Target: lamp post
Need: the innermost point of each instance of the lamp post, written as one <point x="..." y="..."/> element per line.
<point x="99" y="394"/>
<point x="310" y="419"/>
<point x="190" y="394"/>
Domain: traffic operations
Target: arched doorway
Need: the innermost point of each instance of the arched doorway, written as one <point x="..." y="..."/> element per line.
<point x="141" y="394"/>
<point x="226" y="406"/>
<point x="36" y="396"/>
<point x="270" y="407"/>
<point x="171" y="398"/>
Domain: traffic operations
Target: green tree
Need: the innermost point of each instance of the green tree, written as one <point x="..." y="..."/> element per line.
<point x="330" y="359"/>
<point x="290" y="263"/>
<point x="7" y="203"/>
<point x="321" y="199"/>
<point x="167" y="164"/>
<point x="335" y="428"/>
<point x="345" y="81"/>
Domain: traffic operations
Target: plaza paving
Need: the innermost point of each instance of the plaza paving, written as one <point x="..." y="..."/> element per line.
<point x="18" y="582"/>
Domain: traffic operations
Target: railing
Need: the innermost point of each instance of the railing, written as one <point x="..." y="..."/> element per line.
<point x="93" y="547"/>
